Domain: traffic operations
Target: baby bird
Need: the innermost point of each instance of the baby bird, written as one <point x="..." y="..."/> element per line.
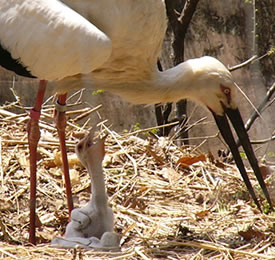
<point x="91" y="226"/>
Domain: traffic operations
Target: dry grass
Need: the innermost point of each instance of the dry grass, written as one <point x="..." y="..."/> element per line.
<point x="163" y="210"/>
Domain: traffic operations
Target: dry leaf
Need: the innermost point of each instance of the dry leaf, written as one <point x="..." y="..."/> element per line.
<point x="38" y="223"/>
<point x="220" y="164"/>
<point x="49" y="163"/>
<point x="250" y="233"/>
<point x="189" y="160"/>
<point x="72" y="160"/>
<point x="216" y="162"/>
<point x="23" y="161"/>
<point x="143" y="188"/>
<point x="58" y="159"/>
<point x="56" y="172"/>
<point x="265" y="171"/>
<point x="154" y="155"/>
<point x="202" y="214"/>
<point x="199" y="198"/>
<point x="78" y="135"/>
<point x="211" y="157"/>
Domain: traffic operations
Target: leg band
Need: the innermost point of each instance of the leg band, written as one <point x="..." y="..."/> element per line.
<point x="60" y="108"/>
<point x="34" y="114"/>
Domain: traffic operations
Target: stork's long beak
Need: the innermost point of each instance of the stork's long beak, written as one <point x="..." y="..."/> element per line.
<point x="237" y="122"/>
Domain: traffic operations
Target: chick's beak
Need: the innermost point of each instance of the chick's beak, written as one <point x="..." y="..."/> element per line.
<point x="237" y="122"/>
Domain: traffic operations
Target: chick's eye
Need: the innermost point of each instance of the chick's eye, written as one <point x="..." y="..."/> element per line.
<point x="79" y="147"/>
<point x="89" y="143"/>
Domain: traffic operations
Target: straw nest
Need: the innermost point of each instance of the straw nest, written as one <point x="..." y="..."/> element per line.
<point x="169" y="202"/>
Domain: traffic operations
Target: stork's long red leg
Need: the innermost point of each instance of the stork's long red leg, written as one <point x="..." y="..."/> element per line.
<point x="60" y="119"/>
<point x="33" y="138"/>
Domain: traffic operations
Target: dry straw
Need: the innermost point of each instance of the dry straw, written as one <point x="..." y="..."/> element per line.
<point x="163" y="209"/>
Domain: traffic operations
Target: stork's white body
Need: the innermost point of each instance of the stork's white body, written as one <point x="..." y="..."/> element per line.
<point x="50" y="39"/>
<point x="106" y="44"/>
<point x="114" y="40"/>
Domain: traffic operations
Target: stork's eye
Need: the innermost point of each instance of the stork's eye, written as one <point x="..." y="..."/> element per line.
<point x="227" y="92"/>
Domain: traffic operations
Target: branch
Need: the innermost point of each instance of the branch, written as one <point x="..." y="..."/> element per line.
<point x="255" y="114"/>
<point x="243" y="64"/>
<point x="263" y="141"/>
<point x="187" y="12"/>
<point x="253" y="59"/>
<point x="179" y="24"/>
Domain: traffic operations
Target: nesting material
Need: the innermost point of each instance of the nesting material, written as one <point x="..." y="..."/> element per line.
<point x="164" y="209"/>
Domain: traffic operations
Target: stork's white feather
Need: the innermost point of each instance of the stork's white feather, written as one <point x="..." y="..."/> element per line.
<point x="114" y="48"/>
<point x="50" y="39"/>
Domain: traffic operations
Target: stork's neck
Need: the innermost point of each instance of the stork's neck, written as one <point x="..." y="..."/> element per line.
<point x="159" y="87"/>
<point x="187" y="80"/>
<point x="175" y="84"/>
<point x="99" y="195"/>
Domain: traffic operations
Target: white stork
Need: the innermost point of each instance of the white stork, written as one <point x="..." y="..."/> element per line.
<point x="111" y="45"/>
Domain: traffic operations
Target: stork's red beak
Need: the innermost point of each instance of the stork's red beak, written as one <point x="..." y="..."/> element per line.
<point x="237" y="122"/>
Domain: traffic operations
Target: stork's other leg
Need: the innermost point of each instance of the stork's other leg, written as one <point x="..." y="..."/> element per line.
<point x="60" y="119"/>
<point x="33" y="138"/>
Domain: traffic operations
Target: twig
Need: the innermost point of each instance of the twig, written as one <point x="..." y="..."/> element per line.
<point x="7" y="236"/>
<point x="243" y="64"/>
<point x="141" y="254"/>
<point x="150" y="129"/>
<point x="8" y="254"/>
<point x="42" y="143"/>
<point x="253" y="59"/>
<point x="1" y="165"/>
<point x="255" y="114"/>
<point x="126" y="153"/>
<point x="269" y="104"/>
<point x="47" y="101"/>
<point x="205" y="245"/>
<point x="263" y="141"/>
<point x="79" y="92"/>
<point x="188" y="11"/>
<point x="87" y="113"/>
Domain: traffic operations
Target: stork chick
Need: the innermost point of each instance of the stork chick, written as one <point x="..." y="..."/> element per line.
<point x="92" y="225"/>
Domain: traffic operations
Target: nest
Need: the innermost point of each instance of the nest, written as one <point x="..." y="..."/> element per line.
<point x="169" y="201"/>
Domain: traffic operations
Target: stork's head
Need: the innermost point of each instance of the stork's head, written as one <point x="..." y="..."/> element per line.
<point x="214" y="84"/>
<point x="217" y="91"/>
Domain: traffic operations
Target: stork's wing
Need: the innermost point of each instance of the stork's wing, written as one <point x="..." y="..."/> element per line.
<point x="51" y="40"/>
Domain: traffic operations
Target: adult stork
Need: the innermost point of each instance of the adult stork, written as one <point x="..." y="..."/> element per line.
<point x="112" y="45"/>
